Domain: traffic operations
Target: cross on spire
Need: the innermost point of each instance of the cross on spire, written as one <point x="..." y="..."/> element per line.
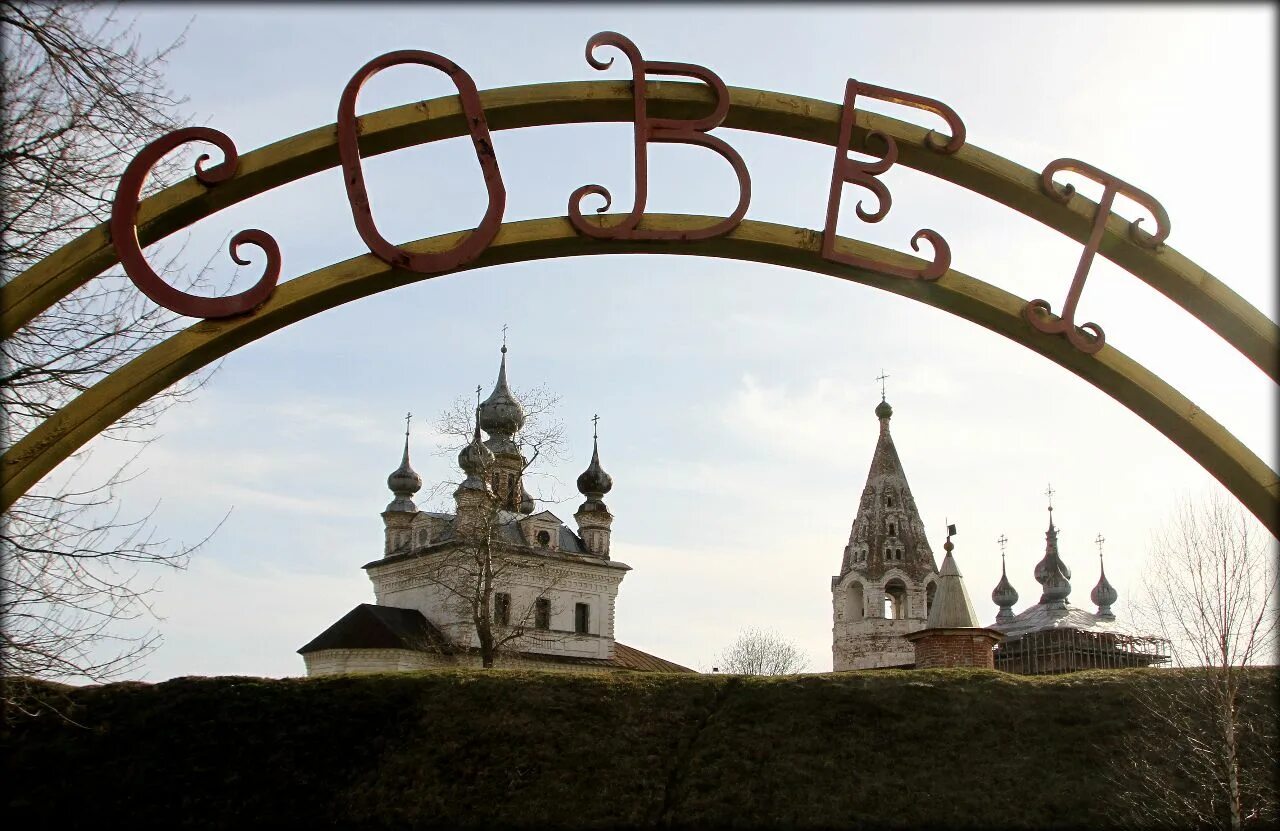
<point x="1049" y="493"/>
<point x="407" y="416"/>
<point x="1100" y="540"/>
<point x="1002" y="540"/>
<point x="504" y="337"/>
<point x="595" y="426"/>
<point x="881" y="378"/>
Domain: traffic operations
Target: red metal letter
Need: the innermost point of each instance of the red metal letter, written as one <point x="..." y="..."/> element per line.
<point x="124" y="231"/>
<point x="1038" y="312"/>
<point x="673" y="130"/>
<point x="349" y="153"/>
<point x="865" y="173"/>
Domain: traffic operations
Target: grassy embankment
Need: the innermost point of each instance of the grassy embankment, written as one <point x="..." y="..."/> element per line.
<point x="917" y="749"/>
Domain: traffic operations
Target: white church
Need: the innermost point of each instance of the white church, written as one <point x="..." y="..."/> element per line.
<point x="549" y="590"/>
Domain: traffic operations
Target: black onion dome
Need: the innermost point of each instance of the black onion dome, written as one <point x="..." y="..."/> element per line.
<point x="501" y="414"/>
<point x="883" y="410"/>
<point x="594" y="482"/>
<point x="475" y="458"/>
<point x="404" y="480"/>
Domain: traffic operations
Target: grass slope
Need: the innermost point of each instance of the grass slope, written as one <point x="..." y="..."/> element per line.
<point x="454" y="748"/>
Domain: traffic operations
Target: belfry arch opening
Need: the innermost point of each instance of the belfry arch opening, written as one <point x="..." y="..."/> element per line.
<point x="895" y="599"/>
<point x="854" y="599"/>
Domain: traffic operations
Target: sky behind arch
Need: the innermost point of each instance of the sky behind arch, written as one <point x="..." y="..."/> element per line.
<point x="735" y="398"/>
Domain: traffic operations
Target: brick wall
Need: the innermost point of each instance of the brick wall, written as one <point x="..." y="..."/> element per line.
<point x="954" y="648"/>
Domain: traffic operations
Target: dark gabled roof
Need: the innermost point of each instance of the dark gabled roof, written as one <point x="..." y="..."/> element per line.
<point x="628" y="657"/>
<point x="380" y="627"/>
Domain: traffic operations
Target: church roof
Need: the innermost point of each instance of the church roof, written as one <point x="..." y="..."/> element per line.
<point x="951" y="607"/>
<point x="380" y="627"/>
<point x="568" y="544"/>
<point x="1046" y="616"/>
<point x="369" y="626"/>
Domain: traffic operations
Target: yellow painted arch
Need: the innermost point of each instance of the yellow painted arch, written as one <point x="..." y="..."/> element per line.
<point x="1012" y="185"/>
<point x="1163" y="407"/>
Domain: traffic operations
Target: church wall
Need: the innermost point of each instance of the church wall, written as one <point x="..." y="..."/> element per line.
<point x="407" y="585"/>
<point x="873" y="642"/>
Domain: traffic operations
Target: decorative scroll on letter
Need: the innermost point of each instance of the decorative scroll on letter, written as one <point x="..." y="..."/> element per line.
<point x="124" y="230"/>
<point x="1038" y="312"/>
<point x="353" y="176"/>
<point x="674" y="130"/>
<point x="865" y="173"/>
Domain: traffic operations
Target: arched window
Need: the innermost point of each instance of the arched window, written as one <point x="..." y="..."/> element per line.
<point x="893" y="528"/>
<point x="929" y="592"/>
<point x="888" y="500"/>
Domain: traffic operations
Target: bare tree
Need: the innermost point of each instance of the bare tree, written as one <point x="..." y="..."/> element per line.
<point x="486" y="576"/>
<point x="1210" y="589"/>
<point x="76" y="103"/>
<point x="762" y="652"/>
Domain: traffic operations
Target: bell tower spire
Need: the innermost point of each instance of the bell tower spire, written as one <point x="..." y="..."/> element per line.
<point x="887" y="574"/>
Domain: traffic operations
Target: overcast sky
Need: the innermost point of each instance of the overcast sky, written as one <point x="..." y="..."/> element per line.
<point x="735" y="399"/>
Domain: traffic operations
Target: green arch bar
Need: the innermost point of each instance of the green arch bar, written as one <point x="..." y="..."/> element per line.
<point x="1161" y="406"/>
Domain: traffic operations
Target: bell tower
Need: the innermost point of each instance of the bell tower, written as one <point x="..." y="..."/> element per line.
<point x="887" y="574"/>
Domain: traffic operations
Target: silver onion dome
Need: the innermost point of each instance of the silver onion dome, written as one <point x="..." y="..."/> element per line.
<point x="1004" y="594"/>
<point x="501" y="413"/>
<point x="1104" y="594"/>
<point x="1051" y="573"/>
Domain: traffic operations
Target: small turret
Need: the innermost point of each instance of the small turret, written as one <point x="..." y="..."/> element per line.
<point x="399" y="514"/>
<point x="474" y="497"/>
<point x="594" y="520"/>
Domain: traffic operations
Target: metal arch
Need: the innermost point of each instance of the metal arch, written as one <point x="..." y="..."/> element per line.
<point x="1161" y="406"/>
<point x="999" y="179"/>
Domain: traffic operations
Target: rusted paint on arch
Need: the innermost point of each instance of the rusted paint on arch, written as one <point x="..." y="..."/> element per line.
<point x="1161" y="406"/>
<point x="1012" y="185"/>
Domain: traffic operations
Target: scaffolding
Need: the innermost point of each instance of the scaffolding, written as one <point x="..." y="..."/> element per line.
<point x="1053" y="651"/>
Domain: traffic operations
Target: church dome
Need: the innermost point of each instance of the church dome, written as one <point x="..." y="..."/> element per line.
<point x="501" y="414"/>
<point x="883" y="410"/>
<point x="594" y="482"/>
<point x="1103" y="594"/>
<point x="404" y="480"/>
<point x="475" y="458"/>
<point x="1004" y="594"/>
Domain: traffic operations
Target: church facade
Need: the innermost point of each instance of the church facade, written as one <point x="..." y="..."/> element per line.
<point x="495" y="578"/>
